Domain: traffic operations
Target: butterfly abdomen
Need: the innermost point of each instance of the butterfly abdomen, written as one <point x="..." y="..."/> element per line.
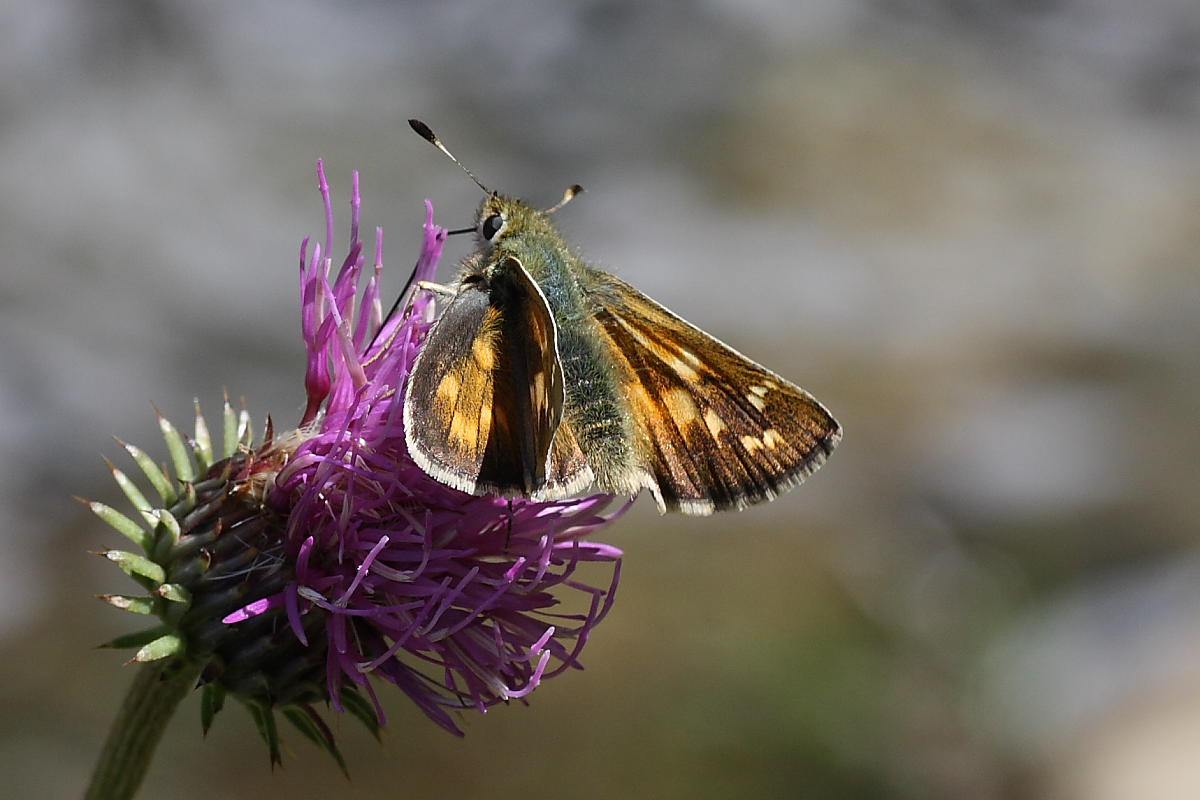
<point x="595" y="409"/>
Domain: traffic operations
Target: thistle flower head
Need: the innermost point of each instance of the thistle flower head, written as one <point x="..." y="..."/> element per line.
<point x="322" y="561"/>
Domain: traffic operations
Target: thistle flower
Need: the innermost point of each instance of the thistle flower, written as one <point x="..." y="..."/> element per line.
<point x="294" y="572"/>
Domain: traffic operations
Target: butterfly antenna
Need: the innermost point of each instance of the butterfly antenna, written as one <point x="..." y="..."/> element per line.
<point x="567" y="197"/>
<point x="426" y="133"/>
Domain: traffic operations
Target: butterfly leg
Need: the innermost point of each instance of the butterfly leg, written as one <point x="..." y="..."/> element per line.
<point x="508" y="527"/>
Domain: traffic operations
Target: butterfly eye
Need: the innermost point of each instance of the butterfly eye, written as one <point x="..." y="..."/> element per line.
<point x="491" y="226"/>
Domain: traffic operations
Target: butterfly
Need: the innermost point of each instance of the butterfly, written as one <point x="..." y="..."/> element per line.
<point x="543" y="377"/>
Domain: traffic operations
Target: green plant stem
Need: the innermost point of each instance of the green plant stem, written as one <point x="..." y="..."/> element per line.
<point x="138" y="728"/>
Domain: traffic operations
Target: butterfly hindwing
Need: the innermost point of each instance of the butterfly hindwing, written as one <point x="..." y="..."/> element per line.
<point x="716" y="430"/>
<point x="485" y="395"/>
<point x="567" y="471"/>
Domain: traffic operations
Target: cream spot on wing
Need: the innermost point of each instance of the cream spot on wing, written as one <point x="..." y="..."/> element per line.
<point x="714" y="422"/>
<point x="447" y="388"/>
<point x="761" y="391"/>
<point x="640" y="339"/>
<point x="679" y="359"/>
<point x="484" y="355"/>
<point x="684" y="370"/>
<point x="772" y="439"/>
<point x="539" y="384"/>
<point x="751" y="443"/>
<point x="756" y="400"/>
<point x="682" y="406"/>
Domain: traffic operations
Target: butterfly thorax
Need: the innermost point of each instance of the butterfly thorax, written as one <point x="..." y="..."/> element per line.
<point x="595" y="411"/>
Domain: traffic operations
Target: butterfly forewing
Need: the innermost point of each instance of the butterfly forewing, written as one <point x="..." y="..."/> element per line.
<point x="717" y="430"/>
<point x="482" y="405"/>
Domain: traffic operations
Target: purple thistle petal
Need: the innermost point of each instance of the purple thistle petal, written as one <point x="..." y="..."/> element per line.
<point x="254" y="609"/>
<point x="291" y="603"/>
<point x="355" y="207"/>
<point x="327" y="201"/>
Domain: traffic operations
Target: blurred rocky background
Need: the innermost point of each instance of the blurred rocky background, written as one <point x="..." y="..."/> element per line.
<point x="971" y="228"/>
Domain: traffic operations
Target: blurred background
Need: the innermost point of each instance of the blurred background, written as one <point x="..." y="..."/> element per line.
<point x="970" y="228"/>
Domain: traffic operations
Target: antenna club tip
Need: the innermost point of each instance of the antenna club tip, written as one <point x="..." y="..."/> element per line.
<point x="428" y="135"/>
<point x="572" y="191"/>
<point x="423" y="130"/>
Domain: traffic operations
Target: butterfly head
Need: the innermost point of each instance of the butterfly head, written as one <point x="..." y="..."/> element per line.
<point x="504" y="220"/>
<point x="507" y="224"/>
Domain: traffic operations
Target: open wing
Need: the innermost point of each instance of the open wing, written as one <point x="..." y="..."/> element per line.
<point x="718" y="430"/>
